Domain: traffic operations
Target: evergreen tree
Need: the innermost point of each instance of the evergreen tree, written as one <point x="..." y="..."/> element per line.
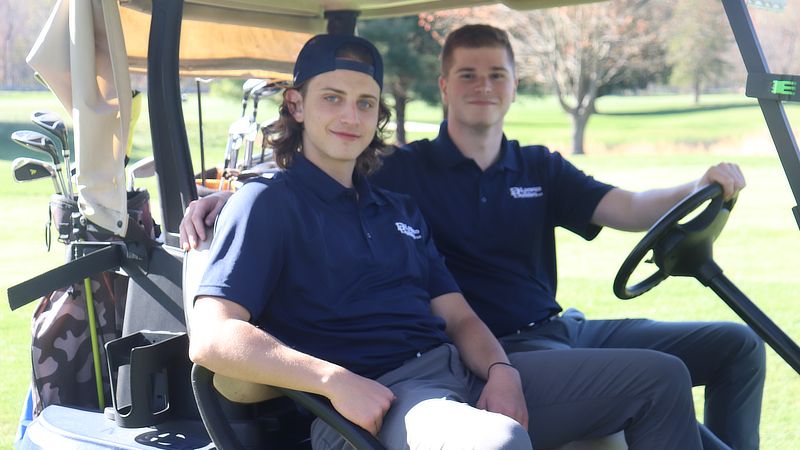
<point x="410" y="62"/>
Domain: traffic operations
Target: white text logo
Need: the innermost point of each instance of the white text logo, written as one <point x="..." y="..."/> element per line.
<point x="407" y="230"/>
<point x="526" y="192"/>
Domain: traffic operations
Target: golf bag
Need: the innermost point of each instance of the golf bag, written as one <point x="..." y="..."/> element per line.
<point x="63" y="370"/>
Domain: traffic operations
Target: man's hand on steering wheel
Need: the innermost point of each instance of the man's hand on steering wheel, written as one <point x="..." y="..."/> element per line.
<point x="728" y="175"/>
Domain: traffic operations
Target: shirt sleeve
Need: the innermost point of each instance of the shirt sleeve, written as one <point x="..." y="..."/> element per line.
<point x="246" y="255"/>
<point x="578" y="195"/>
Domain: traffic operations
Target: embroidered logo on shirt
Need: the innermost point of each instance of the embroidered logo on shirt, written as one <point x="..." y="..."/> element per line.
<point x="526" y="192"/>
<point x="408" y="230"/>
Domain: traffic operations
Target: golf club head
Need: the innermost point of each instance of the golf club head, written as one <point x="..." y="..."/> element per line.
<point x="250" y="84"/>
<point x="249" y="140"/>
<point x="236" y="133"/>
<point x="266" y="90"/>
<point x="256" y="87"/>
<point x="52" y="123"/>
<point x="260" y="91"/>
<point x="144" y="168"/>
<point x="251" y="133"/>
<point x="247" y="87"/>
<point x="36" y="141"/>
<point x="240" y="126"/>
<point x="29" y="169"/>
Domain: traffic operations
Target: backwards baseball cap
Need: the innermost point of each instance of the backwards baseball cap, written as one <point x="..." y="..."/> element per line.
<point x="319" y="56"/>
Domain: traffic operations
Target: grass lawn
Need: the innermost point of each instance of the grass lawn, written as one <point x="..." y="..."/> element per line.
<point x="757" y="249"/>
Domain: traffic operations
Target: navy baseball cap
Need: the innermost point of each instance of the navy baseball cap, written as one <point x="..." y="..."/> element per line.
<point x="318" y="56"/>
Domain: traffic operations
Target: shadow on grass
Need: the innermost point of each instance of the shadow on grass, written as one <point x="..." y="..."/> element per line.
<point x="684" y="110"/>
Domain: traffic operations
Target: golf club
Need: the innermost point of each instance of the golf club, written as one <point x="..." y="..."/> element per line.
<point x="54" y="124"/>
<point x="199" y="80"/>
<point x="249" y="142"/>
<point x="248" y="86"/>
<point x="35" y="141"/>
<point x="258" y="92"/>
<point x="144" y="168"/>
<point x="236" y="134"/>
<point x="29" y="169"/>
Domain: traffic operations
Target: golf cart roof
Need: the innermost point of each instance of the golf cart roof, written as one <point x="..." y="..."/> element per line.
<point x="305" y="15"/>
<point x="261" y="38"/>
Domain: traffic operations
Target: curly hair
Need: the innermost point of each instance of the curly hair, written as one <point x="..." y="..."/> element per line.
<point x="288" y="137"/>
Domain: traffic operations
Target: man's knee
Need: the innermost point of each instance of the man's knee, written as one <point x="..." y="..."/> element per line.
<point x="746" y="342"/>
<point x="446" y="424"/>
<point x="665" y="373"/>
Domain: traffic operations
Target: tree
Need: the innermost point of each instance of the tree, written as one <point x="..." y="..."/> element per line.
<point x="699" y="38"/>
<point x="583" y="48"/>
<point x="779" y="33"/>
<point x="20" y="24"/>
<point x="579" y="49"/>
<point x="410" y="60"/>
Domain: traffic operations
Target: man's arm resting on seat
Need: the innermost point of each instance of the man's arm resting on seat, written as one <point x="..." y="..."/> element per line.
<point x="479" y="349"/>
<point x="200" y="214"/>
<point x="226" y="343"/>
<point x="638" y="211"/>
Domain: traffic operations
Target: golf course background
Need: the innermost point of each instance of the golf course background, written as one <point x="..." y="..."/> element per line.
<point x="635" y="142"/>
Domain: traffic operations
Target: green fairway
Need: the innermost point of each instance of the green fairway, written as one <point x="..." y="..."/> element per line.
<point x="629" y="120"/>
<point x="757" y="249"/>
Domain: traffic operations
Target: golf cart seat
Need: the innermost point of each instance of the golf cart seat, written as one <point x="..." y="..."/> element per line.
<point x="271" y="406"/>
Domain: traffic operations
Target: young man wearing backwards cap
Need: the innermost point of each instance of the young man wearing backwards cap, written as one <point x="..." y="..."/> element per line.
<point x="351" y="300"/>
<point x="319" y="282"/>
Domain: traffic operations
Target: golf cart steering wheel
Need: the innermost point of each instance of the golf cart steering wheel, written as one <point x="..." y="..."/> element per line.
<point x="679" y="249"/>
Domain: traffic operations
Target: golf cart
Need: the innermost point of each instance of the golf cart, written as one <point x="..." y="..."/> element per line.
<point x="159" y="398"/>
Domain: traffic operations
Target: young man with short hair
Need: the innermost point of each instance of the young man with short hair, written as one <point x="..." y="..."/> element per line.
<point x="494" y="213"/>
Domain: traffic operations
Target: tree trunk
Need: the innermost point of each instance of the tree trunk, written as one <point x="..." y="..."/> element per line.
<point x="579" y="122"/>
<point x="400" y="100"/>
<point x="697" y="88"/>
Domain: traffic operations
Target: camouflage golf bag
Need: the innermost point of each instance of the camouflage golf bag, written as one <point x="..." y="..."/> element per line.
<point x="62" y="358"/>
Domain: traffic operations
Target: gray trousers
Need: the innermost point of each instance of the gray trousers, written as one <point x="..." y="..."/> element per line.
<point x="434" y="409"/>
<point x="573" y="394"/>
<point x="727" y="358"/>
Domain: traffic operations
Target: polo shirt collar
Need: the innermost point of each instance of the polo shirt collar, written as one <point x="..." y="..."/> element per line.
<point x="324" y="186"/>
<point x="449" y="156"/>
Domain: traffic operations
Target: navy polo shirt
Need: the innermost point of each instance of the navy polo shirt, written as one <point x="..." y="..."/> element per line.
<point x="345" y="275"/>
<point x="496" y="228"/>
